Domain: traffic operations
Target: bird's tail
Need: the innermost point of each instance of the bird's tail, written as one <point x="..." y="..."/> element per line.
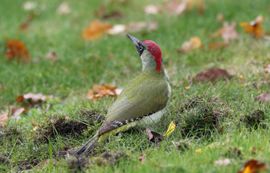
<point x="87" y="147"/>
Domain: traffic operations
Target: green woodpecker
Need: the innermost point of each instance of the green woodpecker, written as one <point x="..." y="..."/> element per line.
<point x="143" y="100"/>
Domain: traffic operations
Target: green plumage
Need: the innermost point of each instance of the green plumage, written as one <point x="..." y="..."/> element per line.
<point x="145" y="94"/>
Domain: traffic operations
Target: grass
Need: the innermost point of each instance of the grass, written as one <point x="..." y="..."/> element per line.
<point x="112" y="59"/>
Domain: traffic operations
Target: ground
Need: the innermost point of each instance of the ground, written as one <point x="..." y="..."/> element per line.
<point x="231" y="131"/>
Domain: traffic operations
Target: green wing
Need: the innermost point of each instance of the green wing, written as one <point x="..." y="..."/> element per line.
<point x="146" y="94"/>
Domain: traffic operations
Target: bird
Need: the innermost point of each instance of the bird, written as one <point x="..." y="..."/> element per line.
<point x="142" y="102"/>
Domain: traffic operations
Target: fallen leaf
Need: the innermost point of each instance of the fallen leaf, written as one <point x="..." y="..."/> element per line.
<point x="95" y="30"/>
<point x="3" y="119"/>
<point x="175" y="7"/>
<point x="63" y="8"/>
<point x="32" y="99"/>
<point x="253" y="166"/>
<point x="99" y="91"/>
<point x="51" y="55"/>
<point x="254" y="28"/>
<point x="16" y="49"/>
<point x="196" y="4"/>
<point x="223" y="162"/>
<point x="212" y="75"/>
<point x="170" y="129"/>
<point x="16" y="113"/>
<point x="29" y="5"/>
<point x="142" y="26"/>
<point x="217" y="45"/>
<point x="193" y="43"/>
<point x="25" y="24"/>
<point x="227" y="32"/>
<point x="151" y="9"/>
<point x="154" y="136"/>
<point x="117" y="29"/>
<point x="264" y="97"/>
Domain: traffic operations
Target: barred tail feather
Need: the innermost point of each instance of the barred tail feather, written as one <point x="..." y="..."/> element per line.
<point x="87" y="147"/>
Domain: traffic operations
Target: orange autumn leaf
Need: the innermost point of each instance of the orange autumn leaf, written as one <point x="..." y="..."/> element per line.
<point x="193" y="43"/>
<point x="253" y="166"/>
<point x="217" y="45"/>
<point x="254" y="28"/>
<point x="99" y="91"/>
<point x="95" y="30"/>
<point x="16" y="49"/>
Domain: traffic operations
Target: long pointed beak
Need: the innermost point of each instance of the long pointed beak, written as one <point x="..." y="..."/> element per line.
<point x="134" y="40"/>
<point x="138" y="44"/>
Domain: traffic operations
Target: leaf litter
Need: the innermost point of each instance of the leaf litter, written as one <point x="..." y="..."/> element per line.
<point x="99" y="91"/>
<point x="212" y="75"/>
<point x="17" y="50"/>
<point x="253" y="166"/>
<point x="254" y="28"/>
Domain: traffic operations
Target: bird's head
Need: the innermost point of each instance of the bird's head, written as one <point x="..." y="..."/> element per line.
<point x="149" y="52"/>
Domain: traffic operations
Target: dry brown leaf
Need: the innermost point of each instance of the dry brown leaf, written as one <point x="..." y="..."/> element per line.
<point x="254" y="28"/>
<point x="196" y="4"/>
<point x="212" y="75"/>
<point x="25" y="24"/>
<point x="3" y="119"/>
<point x="264" y="97"/>
<point x="63" y="8"/>
<point x="95" y="30"/>
<point x="16" y="49"/>
<point x="151" y="9"/>
<point x="253" y="166"/>
<point x="227" y="32"/>
<point x="16" y="113"/>
<point x="217" y="45"/>
<point x="154" y="136"/>
<point x="99" y="91"/>
<point x="32" y="99"/>
<point x="193" y="43"/>
<point x="51" y="55"/>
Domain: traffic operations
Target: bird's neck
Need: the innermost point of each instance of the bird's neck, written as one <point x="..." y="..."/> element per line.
<point x="153" y="72"/>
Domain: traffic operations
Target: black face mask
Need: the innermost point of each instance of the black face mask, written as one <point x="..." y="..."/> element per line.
<point x="140" y="48"/>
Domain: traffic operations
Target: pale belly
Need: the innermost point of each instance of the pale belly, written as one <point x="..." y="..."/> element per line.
<point x="151" y="119"/>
